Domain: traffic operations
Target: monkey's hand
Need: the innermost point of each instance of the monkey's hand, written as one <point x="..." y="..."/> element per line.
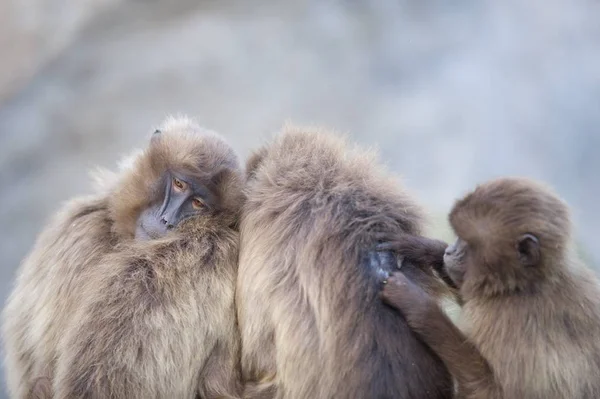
<point x="406" y="296"/>
<point x="422" y="251"/>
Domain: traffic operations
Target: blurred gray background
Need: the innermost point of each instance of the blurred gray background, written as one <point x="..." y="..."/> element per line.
<point x="452" y="92"/>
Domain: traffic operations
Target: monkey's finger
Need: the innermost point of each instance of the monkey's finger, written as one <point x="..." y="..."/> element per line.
<point x="385" y="246"/>
<point x="396" y="246"/>
<point x="406" y="249"/>
<point x="398" y="278"/>
<point x="394" y="295"/>
<point x="388" y="236"/>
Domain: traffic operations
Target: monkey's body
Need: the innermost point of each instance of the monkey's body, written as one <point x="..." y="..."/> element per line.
<point x="311" y="321"/>
<point x="531" y="314"/>
<point x="103" y="313"/>
<point x="545" y="345"/>
<point x="156" y="293"/>
<point x="48" y="290"/>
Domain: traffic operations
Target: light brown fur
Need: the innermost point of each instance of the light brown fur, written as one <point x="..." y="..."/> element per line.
<point x="103" y="315"/>
<point x="311" y="321"/>
<point x="533" y="330"/>
<point x="538" y="328"/>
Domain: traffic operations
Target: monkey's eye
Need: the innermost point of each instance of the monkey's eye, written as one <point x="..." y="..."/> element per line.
<point x="197" y="203"/>
<point x="178" y="184"/>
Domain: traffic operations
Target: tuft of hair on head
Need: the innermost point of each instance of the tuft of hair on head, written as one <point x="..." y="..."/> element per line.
<point x="324" y="150"/>
<point x="493" y="218"/>
<point x="178" y="144"/>
<point x="254" y="161"/>
<point x="104" y="180"/>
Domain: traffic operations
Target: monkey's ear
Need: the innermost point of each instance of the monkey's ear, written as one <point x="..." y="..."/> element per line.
<point x="155" y="136"/>
<point x="528" y="247"/>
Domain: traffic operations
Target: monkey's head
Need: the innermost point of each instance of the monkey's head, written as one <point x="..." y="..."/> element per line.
<point x="184" y="173"/>
<point x="512" y="236"/>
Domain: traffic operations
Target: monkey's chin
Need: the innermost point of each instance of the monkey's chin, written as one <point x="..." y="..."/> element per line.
<point x="141" y="234"/>
<point x="457" y="276"/>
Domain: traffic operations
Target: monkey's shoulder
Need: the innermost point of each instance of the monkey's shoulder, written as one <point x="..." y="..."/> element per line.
<point x="77" y="235"/>
<point x="89" y="216"/>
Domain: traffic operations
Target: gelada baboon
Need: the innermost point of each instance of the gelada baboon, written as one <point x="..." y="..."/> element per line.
<point x="130" y="293"/>
<point x="309" y="312"/>
<point x="531" y="309"/>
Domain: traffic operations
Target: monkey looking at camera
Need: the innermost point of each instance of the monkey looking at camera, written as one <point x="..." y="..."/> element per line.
<point x="531" y="309"/>
<point x="129" y="293"/>
<point x="310" y="317"/>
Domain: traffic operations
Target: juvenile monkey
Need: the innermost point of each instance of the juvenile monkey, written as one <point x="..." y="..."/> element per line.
<point x="311" y="320"/>
<point x="531" y="309"/>
<point x="129" y="293"/>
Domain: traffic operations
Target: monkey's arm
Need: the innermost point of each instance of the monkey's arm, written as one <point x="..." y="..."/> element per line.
<point x="472" y="372"/>
<point x="95" y="349"/>
<point x="422" y="251"/>
<point x="221" y="377"/>
<point x="115" y="339"/>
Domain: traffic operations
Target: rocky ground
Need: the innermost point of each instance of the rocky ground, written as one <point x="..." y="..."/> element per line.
<point x="452" y="94"/>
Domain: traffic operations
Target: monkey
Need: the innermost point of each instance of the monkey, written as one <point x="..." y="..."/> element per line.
<point x="531" y="308"/>
<point x="310" y="318"/>
<point x="129" y="292"/>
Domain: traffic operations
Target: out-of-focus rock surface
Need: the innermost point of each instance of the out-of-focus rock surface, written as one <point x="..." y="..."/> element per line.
<point x="452" y="93"/>
<point x="33" y="32"/>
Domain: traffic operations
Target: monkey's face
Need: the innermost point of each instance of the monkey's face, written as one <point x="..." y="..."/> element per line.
<point x="179" y="196"/>
<point x="464" y="262"/>
<point x="455" y="261"/>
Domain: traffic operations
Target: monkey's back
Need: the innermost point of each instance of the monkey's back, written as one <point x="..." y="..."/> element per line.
<point x="308" y="296"/>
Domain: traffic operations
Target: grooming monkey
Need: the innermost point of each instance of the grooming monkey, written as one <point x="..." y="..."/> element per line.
<point x="129" y="293"/>
<point x="311" y="320"/>
<point x="531" y="309"/>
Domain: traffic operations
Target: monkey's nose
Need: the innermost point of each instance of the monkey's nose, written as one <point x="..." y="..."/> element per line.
<point x="164" y="221"/>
